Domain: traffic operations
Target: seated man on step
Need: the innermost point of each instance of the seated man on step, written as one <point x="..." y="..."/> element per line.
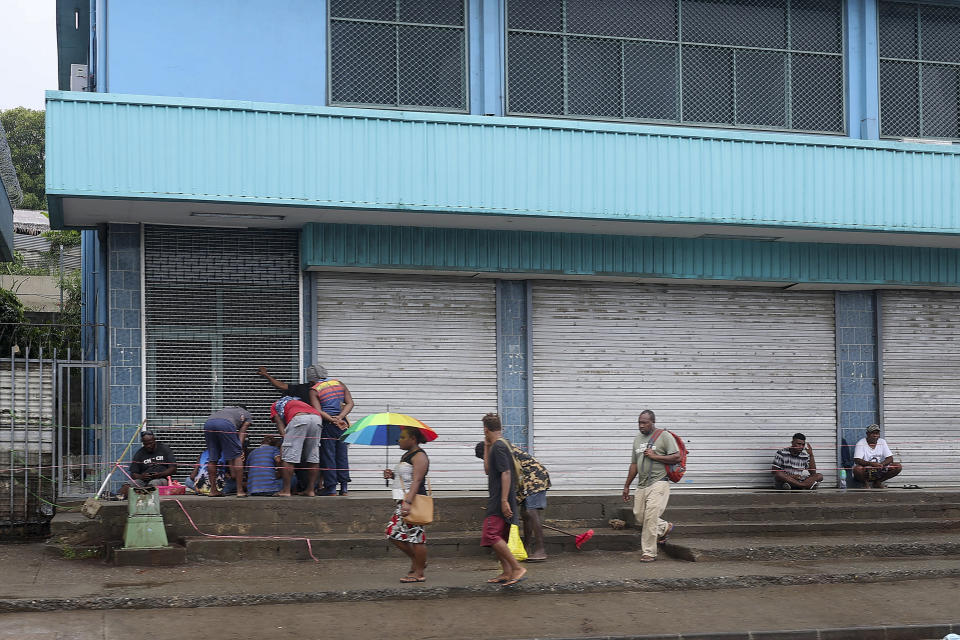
<point x="794" y="467"/>
<point x="152" y="465"/>
<point x="873" y="460"/>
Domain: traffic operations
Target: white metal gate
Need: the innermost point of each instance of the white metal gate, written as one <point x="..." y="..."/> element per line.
<point x="734" y="371"/>
<point x="921" y="383"/>
<point x="52" y="434"/>
<point x="424" y="346"/>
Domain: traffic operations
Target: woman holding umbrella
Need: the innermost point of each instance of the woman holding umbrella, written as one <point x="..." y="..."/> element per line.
<point x="411" y="471"/>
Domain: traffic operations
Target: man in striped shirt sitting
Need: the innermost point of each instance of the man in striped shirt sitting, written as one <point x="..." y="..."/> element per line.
<point x="794" y="467"/>
<point x="263" y="468"/>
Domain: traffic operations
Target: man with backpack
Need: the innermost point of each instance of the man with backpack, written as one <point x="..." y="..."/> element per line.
<point x="653" y="451"/>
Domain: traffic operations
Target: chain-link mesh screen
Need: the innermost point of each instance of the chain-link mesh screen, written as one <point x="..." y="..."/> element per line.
<point x="398" y="53"/>
<point x="210" y="324"/>
<point x="919" y="69"/>
<point x="752" y="63"/>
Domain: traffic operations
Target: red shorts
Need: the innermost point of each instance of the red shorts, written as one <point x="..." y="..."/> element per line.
<point x="494" y="528"/>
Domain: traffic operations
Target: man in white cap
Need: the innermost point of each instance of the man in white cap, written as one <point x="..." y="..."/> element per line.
<point x="873" y="461"/>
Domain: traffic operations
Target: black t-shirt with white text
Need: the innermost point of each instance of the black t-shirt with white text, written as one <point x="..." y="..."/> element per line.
<point x="155" y="461"/>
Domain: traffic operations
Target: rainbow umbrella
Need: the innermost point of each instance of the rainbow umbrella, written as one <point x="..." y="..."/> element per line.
<point x="383" y="429"/>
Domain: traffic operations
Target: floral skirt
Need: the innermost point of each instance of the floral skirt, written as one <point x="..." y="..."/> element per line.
<point x="399" y="530"/>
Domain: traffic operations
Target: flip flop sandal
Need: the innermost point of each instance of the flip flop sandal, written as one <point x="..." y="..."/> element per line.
<point x="647" y="559"/>
<point x="911" y="486"/>
<point x="409" y="579"/>
<point x="498" y="580"/>
<point x="510" y="583"/>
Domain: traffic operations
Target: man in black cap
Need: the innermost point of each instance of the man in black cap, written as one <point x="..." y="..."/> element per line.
<point x="303" y="390"/>
<point x="873" y="460"/>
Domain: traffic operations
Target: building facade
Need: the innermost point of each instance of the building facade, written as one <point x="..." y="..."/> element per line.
<point x="743" y="215"/>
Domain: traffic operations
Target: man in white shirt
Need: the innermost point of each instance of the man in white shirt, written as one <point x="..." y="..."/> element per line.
<point x="873" y="460"/>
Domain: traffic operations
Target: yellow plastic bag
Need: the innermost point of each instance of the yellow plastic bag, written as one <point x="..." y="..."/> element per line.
<point x="516" y="544"/>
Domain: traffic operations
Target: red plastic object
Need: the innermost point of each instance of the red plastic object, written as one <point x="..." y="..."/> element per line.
<point x="173" y="489"/>
<point x="583" y="537"/>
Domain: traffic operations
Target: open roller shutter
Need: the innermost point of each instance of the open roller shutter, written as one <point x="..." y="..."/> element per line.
<point x="735" y="371"/>
<point x="423" y="346"/>
<point x="921" y="384"/>
<point x="217" y="305"/>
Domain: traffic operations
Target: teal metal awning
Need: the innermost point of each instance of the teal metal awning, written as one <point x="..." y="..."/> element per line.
<point x="392" y="167"/>
<point x="498" y="253"/>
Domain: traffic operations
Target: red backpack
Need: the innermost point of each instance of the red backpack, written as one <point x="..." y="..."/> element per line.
<point x="674" y="471"/>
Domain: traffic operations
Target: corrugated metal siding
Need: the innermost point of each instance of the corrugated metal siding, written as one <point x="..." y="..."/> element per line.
<point x="921" y="384"/>
<point x="384" y="247"/>
<point x="735" y="372"/>
<point x="421" y="346"/>
<point x="132" y="146"/>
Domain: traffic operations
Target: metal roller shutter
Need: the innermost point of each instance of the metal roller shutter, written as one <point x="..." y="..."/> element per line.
<point x="921" y="384"/>
<point x="735" y="371"/>
<point x="217" y="304"/>
<point x="423" y="346"/>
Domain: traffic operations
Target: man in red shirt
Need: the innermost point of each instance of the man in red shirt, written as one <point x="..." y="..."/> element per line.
<point x="300" y="425"/>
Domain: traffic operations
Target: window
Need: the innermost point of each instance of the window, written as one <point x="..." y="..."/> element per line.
<point x="399" y="53"/>
<point x="751" y="63"/>
<point x="919" y="70"/>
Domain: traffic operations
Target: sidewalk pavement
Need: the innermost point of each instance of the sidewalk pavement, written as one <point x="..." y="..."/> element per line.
<point x="34" y="579"/>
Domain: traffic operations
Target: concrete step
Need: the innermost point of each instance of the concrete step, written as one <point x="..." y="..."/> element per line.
<point x="440" y="545"/>
<point x="812" y="547"/>
<point x="755" y="497"/>
<point x="68" y="523"/>
<point x="802" y="529"/>
<point x="811" y="512"/>
<point x="718" y="512"/>
<point x="193" y="515"/>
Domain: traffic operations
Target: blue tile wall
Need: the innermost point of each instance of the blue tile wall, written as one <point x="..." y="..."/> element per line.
<point x="857" y="365"/>
<point x="512" y="358"/>
<point x="126" y="342"/>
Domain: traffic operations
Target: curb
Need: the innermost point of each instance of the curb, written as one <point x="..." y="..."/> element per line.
<point x="18" y="605"/>
<point x="901" y="632"/>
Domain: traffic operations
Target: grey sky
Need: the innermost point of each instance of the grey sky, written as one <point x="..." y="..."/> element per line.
<point x="28" y="52"/>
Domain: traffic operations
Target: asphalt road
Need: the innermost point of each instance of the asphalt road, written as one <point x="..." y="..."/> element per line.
<point x="520" y="615"/>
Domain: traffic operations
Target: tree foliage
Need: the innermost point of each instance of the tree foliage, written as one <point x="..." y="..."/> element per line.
<point x="25" y="134"/>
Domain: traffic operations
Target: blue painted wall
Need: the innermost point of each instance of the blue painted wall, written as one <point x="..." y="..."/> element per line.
<point x="276" y="52"/>
<point x="513" y="386"/>
<point x="126" y="341"/>
<point x="857" y="371"/>
<point x="229" y="49"/>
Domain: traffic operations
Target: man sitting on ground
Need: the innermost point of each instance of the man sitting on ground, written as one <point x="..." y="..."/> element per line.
<point x="152" y="465"/>
<point x="199" y="478"/>
<point x="263" y="468"/>
<point x="873" y="460"/>
<point x="794" y="468"/>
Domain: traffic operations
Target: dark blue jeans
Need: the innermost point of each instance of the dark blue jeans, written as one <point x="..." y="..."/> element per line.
<point x="333" y="459"/>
